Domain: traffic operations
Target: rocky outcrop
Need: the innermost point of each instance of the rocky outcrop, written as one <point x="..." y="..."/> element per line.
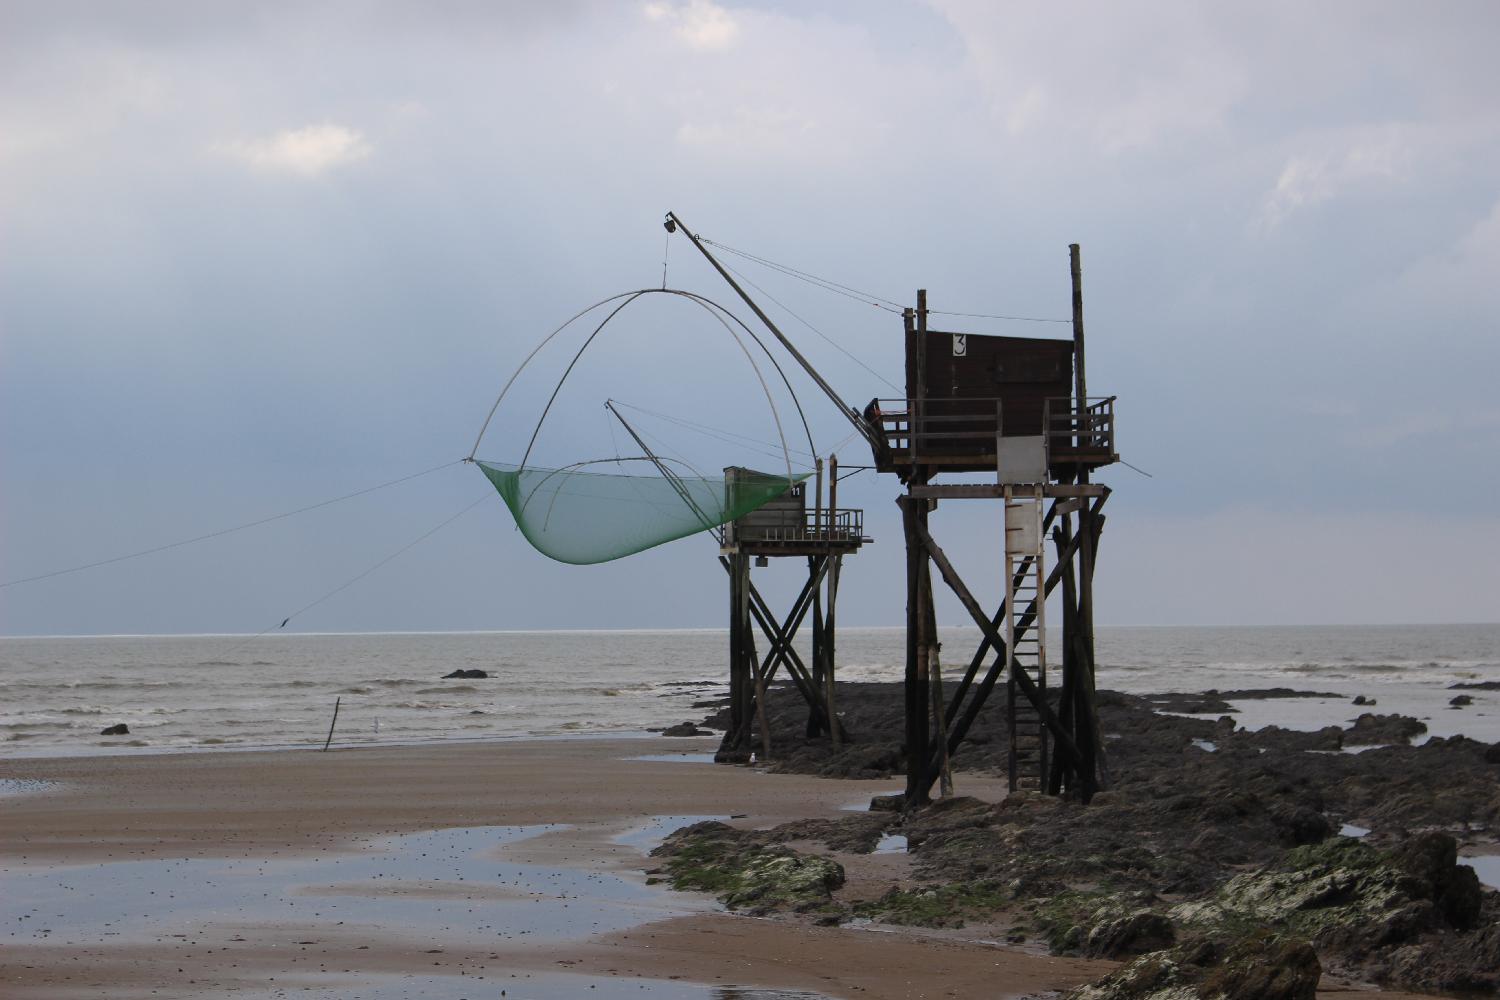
<point x="747" y="875"/>
<point x="685" y="729"/>
<point x="1260" y="966"/>
<point x="1367" y="910"/>
<point x="118" y="729"/>
<point x="468" y="675"/>
<point x="1188" y="845"/>
<point x="1370" y="729"/>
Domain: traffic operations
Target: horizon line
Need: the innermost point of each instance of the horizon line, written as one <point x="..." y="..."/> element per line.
<point x="586" y="630"/>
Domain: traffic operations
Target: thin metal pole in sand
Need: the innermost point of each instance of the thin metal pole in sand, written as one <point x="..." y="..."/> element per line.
<point x="332" y="724"/>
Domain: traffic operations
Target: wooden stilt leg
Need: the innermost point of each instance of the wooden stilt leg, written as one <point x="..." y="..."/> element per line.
<point x="835" y="727"/>
<point x="917" y="785"/>
<point x="815" y="721"/>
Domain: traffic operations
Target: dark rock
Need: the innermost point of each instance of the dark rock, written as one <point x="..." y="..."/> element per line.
<point x="856" y="834"/>
<point x="1370" y="729"/>
<point x="869" y="761"/>
<point x="1360" y="699"/>
<point x="1297" y="825"/>
<point x="1460" y="701"/>
<point x="466" y="675"/>
<point x="1433" y="858"/>
<point x="1475" y="686"/>
<point x="685" y="729"/>
<point x="1133" y="934"/>
<point x="1260" y="966"/>
<point x="1467" y="964"/>
<point x="1207" y="703"/>
<point x="1256" y="694"/>
<point x="1275" y="737"/>
<point x="118" y="729"/>
<point x="1492" y="754"/>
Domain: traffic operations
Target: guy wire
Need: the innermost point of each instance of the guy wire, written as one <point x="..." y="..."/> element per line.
<point x="225" y="531"/>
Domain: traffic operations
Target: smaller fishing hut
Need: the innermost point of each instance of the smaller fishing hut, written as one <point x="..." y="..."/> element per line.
<point x="785" y="528"/>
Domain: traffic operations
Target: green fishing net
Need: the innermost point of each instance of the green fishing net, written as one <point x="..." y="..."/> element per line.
<point x="583" y="516"/>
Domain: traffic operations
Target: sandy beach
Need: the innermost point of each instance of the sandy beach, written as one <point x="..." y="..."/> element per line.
<point x="172" y="841"/>
<point x="308" y="805"/>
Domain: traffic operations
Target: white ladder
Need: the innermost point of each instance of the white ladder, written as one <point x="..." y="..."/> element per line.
<point x="1025" y="577"/>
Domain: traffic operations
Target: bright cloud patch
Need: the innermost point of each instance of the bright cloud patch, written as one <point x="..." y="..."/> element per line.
<point x="1308" y="180"/>
<point x="308" y="151"/>
<point x="700" y="24"/>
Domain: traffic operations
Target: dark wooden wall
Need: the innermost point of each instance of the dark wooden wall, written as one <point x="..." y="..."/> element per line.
<point x="1024" y="372"/>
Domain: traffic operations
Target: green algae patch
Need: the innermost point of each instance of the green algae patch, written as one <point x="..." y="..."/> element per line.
<point x="747" y="875"/>
<point x="949" y="905"/>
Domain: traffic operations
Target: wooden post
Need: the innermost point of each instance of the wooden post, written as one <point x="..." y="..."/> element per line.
<point x="760" y="697"/>
<point x="1088" y="530"/>
<point x="332" y="724"/>
<point x="819" y="650"/>
<point x="835" y="728"/>
<point x="918" y="403"/>
<point x="835" y="732"/>
<point x="818" y="501"/>
<point x="1080" y="381"/>
<point x="735" y="747"/>
<point x="916" y="683"/>
<point x="939" y="719"/>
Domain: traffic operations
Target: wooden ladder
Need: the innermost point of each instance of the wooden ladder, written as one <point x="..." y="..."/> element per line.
<point x="1025" y="578"/>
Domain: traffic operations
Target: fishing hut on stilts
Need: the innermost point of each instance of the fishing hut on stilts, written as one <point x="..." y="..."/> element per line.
<point x="1014" y="411"/>
<point x="785" y="528"/>
<point x="1018" y="410"/>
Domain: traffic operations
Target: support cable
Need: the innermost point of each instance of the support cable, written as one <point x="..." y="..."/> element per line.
<point x="727" y="436"/>
<point x="835" y="344"/>
<point x="827" y="284"/>
<point x="399" y="552"/>
<point x="1014" y="319"/>
<point x="226" y="531"/>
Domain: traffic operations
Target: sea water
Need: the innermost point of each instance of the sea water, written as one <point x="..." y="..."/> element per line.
<point x="185" y="692"/>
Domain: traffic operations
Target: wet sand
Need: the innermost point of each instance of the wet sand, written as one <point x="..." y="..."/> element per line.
<point x="246" y="874"/>
<point x="212" y="823"/>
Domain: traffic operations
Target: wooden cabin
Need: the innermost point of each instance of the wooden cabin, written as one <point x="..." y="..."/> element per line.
<point x="984" y="403"/>
<point x="787" y="526"/>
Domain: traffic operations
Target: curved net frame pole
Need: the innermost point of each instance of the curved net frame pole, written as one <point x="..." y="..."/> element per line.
<point x="722" y="315"/>
<point x="522" y="366"/>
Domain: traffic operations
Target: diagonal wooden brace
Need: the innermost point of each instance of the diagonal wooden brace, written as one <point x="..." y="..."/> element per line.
<point x="1061" y="737"/>
<point x="960" y="724"/>
<point x="781" y="649"/>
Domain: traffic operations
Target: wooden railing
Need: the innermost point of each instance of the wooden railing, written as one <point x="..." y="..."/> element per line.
<point x="836" y="526"/>
<point x="925" y="425"/>
<point x="1089" y="428"/>
<point x="971" y="425"/>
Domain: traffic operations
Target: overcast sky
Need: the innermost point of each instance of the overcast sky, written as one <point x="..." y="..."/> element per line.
<point x="253" y="256"/>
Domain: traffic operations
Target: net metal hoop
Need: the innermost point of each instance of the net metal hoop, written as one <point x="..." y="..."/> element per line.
<point x="714" y="309"/>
